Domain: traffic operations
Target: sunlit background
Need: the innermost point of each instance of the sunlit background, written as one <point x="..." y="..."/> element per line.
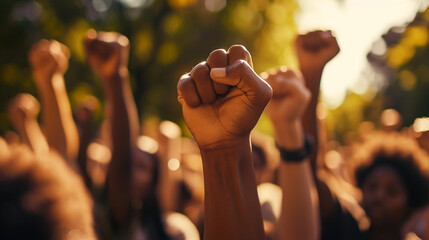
<point x="383" y="63"/>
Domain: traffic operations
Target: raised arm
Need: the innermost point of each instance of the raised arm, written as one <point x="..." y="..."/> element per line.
<point x="49" y="60"/>
<point x="107" y="55"/>
<point x="221" y="125"/>
<point x="314" y="50"/>
<point x="23" y="110"/>
<point x="299" y="218"/>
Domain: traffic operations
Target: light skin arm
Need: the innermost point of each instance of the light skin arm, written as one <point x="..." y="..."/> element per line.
<point x="299" y="218"/>
<point x="49" y="61"/>
<point x="221" y="126"/>
<point x="107" y="55"/>
<point x="23" y="110"/>
<point x="169" y="139"/>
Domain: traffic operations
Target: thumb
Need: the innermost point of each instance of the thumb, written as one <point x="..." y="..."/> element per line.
<point x="242" y="76"/>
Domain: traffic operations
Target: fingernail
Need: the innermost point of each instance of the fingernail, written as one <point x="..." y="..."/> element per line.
<point x="218" y="73"/>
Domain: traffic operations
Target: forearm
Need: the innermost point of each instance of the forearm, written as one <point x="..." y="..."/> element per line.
<point x="58" y="123"/>
<point x="299" y="217"/>
<point x="309" y="120"/>
<point x="122" y="116"/>
<point x="232" y="208"/>
<point x="122" y="112"/>
<point x="169" y="140"/>
<point x="34" y="137"/>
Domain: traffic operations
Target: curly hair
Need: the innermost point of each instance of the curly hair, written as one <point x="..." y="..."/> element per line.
<point x="401" y="153"/>
<point x="41" y="197"/>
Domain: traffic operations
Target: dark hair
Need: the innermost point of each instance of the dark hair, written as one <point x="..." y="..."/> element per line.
<point x="403" y="155"/>
<point x="41" y="198"/>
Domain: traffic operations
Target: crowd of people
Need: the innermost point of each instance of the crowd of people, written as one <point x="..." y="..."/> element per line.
<point x="63" y="179"/>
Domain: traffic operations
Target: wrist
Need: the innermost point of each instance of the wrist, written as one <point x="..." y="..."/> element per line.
<point x="226" y="144"/>
<point x="233" y="157"/>
<point x="289" y="134"/>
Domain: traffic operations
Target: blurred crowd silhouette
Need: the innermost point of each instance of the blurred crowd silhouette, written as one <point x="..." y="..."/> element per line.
<point x="64" y="178"/>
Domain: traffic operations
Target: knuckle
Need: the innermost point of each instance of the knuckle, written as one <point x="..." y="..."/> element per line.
<point x="238" y="52"/>
<point x="184" y="82"/>
<point x="200" y="71"/>
<point x="217" y="58"/>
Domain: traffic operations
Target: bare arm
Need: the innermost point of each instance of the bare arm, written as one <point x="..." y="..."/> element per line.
<point x="314" y="50"/>
<point x="23" y="110"/>
<point x="107" y="55"/>
<point x="299" y="218"/>
<point x="49" y="60"/>
<point x="169" y="138"/>
<point x="221" y="125"/>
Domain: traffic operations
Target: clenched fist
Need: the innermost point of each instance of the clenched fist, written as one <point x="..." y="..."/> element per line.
<point x="315" y="49"/>
<point x="47" y="58"/>
<point x="290" y="96"/>
<point x="223" y="98"/>
<point x="107" y="53"/>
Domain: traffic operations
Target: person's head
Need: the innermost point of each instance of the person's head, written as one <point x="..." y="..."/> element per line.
<point x="391" y="171"/>
<point x="41" y="198"/>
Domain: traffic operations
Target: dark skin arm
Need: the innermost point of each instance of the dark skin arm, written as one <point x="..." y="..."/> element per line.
<point x="84" y="116"/>
<point x="221" y="126"/>
<point x="314" y="50"/>
<point x="107" y="55"/>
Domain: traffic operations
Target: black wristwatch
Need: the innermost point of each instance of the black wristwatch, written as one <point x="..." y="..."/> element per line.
<point x="297" y="155"/>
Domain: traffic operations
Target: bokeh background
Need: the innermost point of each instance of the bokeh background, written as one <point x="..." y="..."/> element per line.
<point x="168" y="37"/>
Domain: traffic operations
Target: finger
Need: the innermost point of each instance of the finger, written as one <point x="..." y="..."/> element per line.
<point x="65" y="50"/>
<point x="35" y="50"/>
<point x="187" y="92"/>
<point x="91" y="35"/>
<point x="4" y="150"/>
<point x="101" y="48"/>
<point x="239" y="52"/>
<point x="311" y="40"/>
<point x="287" y="82"/>
<point x="107" y="36"/>
<point x="123" y="41"/>
<point x="218" y="58"/>
<point x="201" y="76"/>
<point x="291" y="74"/>
<point x="241" y="75"/>
<point x="283" y="86"/>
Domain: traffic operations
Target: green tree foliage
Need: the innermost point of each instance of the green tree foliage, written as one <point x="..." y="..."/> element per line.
<point x="398" y="76"/>
<point x="167" y="39"/>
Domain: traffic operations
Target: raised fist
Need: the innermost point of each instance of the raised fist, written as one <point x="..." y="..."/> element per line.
<point x="47" y="58"/>
<point x="223" y="98"/>
<point x="315" y="49"/>
<point x="290" y="96"/>
<point x="23" y="106"/>
<point x="106" y="52"/>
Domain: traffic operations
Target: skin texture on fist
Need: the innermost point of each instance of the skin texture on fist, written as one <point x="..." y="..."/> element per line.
<point x="215" y="118"/>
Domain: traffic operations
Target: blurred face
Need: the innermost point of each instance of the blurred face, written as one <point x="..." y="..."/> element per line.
<point x="143" y="170"/>
<point x="385" y="198"/>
